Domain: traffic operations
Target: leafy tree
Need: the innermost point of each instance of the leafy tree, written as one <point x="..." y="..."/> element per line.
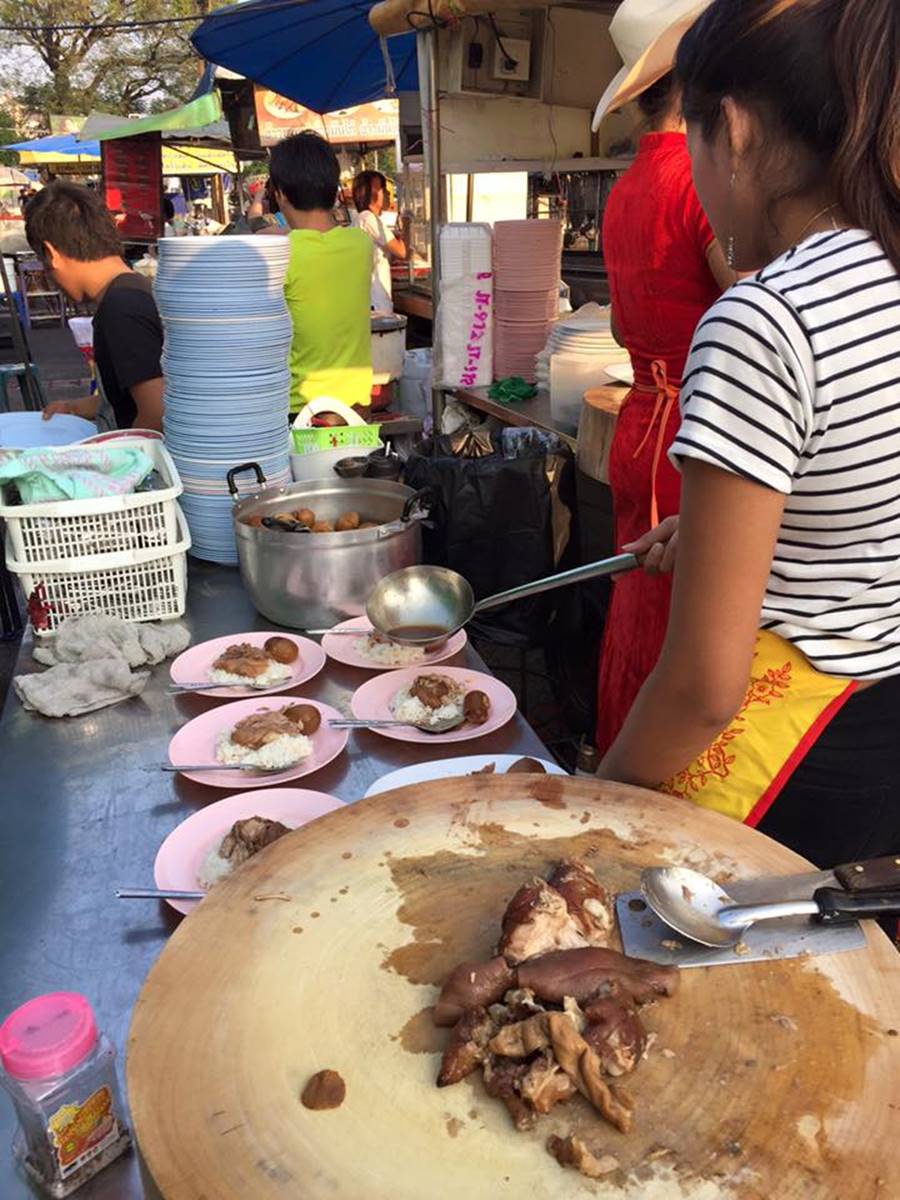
<point x="97" y="64"/>
<point x="8" y="134"/>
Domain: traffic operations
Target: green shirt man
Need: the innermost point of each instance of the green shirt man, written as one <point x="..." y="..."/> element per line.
<point x="327" y="294"/>
<point x="327" y="283"/>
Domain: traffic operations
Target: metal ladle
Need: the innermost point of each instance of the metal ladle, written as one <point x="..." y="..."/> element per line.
<point x="421" y="605"/>
<point x="699" y="908"/>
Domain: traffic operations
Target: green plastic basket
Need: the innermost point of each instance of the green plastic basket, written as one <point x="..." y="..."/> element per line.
<point x="351" y="437"/>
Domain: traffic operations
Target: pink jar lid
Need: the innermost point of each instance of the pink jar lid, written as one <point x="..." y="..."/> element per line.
<point x="47" y="1036"/>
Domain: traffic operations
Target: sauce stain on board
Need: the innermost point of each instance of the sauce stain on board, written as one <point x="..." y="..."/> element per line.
<point x="747" y="1088"/>
<point x="420" y="1035"/>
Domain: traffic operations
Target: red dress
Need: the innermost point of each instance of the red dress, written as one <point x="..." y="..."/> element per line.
<point x="655" y="240"/>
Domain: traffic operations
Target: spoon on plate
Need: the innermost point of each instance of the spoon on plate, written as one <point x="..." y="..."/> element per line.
<point x="443" y="726"/>
<point x="248" y="768"/>
<point x="177" y="688"/>
<point x="157" y="894"/>
<point x="700" y="909"/>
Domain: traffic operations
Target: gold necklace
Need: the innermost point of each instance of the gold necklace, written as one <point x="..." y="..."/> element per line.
<point x="812" y="220"/>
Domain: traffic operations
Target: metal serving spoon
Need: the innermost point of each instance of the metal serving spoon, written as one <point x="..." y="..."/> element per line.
<point x="248" y="768"/>
<point x="443" y="726"/>
<point x="420" y="605"/>
<point x="699" y="908"/>
<point x="177" y="688"/>
<point x="156" y="894"/>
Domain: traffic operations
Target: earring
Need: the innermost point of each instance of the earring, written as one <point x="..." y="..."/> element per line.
<point x="730" y="253"/>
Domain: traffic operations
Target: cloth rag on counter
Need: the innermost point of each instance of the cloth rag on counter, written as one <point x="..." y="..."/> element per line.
<point x="94" y="636"/>
<point x="512" y="390"/>
<point x="76" y="472"/>
<point x="91" y="660"/>
<point x="70" y="689"/>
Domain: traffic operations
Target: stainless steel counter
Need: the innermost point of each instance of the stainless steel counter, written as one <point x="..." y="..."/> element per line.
<point x="85" y="807"/>
<point x="536" y="412"/>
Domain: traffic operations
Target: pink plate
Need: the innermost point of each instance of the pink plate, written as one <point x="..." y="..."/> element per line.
<point x="372" y="701"/>
<point x="195" y="664"/>
<point x="196" y="743"/>
<point x="343" y="649"/>
<point x="181" y="856"/>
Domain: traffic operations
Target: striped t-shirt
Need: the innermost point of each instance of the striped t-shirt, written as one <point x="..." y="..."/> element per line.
<point x="793" y="381"/>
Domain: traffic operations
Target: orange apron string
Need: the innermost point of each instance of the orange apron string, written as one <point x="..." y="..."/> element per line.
<point x="666" y="396"/>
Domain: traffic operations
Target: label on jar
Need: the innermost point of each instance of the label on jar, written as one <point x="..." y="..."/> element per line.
<point x="79" y="1132"/>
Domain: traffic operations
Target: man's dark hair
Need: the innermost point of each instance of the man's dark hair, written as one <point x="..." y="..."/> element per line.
<point x="305" y="169"/>
<point x="364" y="186"/>
<point x="74" y="220"/>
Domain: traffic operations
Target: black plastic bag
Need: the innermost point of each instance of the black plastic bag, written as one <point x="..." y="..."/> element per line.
<point x="500" y="520"/>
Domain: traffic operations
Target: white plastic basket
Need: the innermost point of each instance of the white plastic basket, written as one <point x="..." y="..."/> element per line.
<point x="71" y="530"/>
<point x="136" y="585"/>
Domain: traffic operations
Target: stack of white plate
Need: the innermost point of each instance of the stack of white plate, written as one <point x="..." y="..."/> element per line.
<point x="584" y="336"/>
<point x="526" y="282"/>
<point x="228" y="334"/>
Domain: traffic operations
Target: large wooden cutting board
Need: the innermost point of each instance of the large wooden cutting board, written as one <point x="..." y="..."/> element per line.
<point x="767" y="1081"/>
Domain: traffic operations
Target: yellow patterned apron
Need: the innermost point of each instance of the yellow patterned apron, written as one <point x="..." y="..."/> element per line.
<point x="787" y="706"/>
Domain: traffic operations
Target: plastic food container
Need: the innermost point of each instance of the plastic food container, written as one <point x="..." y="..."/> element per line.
<point x="60" y="1072"/>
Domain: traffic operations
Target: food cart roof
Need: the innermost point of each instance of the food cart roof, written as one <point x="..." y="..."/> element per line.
<point x="320" y="53"/>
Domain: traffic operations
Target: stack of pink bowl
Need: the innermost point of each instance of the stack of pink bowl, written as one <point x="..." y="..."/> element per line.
<point x="526" y="293"/>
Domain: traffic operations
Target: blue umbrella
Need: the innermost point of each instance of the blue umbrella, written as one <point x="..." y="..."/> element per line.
<point x="320" y="53"/>
<point x="64" y="144"/>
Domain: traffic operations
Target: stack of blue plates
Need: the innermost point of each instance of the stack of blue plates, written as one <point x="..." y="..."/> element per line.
<point x="228" y="334"/>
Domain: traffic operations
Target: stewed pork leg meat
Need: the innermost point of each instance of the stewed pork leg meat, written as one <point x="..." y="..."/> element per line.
<point x="536" y="921"/>
<point x="546" y="1084"/>
<point x="468" y="1046"/>
<point x="502" y="1080"/>
<point x="473" y="985"/>
<point x="616" y="1034"/>
<point x="555" y="1011"/>
<point x="583" y="973"/>
<point x="589" y="903"/>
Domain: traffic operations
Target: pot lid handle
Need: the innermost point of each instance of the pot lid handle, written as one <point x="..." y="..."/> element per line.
<point x="251" y="466"/>
<point x="423" y="498"/>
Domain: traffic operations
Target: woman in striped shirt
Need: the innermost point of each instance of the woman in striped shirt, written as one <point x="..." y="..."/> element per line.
<point x="788" y="559"/>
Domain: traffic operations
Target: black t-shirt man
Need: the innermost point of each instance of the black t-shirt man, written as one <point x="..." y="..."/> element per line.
<point x="128" y="342"/>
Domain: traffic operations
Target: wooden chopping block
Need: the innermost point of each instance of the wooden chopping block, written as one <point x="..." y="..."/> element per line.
<point x="767" y="1081"/>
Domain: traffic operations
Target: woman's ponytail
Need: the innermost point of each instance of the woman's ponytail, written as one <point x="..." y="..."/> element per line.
<point x="866" y="166"/>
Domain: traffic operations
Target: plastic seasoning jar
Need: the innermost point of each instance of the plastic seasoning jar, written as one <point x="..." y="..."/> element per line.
<point x="61" y="1075"/>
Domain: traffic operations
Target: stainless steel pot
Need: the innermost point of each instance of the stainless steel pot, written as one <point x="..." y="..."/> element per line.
<point x="303" y="580"/>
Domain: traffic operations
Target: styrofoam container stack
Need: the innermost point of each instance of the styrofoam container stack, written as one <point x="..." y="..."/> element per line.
<point x="465" y="319"/>
<point x="228" y="334"/>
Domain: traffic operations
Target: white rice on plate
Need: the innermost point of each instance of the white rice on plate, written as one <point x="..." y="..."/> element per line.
<point x="389" y="654"/>
<point x="215" y="868"/>
<point x="406" y="707"/>
<point x="273" y="674"/>
<point x="283" y="751"/>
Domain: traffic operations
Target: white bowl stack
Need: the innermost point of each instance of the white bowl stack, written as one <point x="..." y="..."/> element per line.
<point x="526" y="281"/>
<point x="228" y="334"/>
<point x="578" y="348"/>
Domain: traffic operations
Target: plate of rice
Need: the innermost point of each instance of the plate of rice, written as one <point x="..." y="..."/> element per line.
<point x="392" y="696"/>
<point x="189" y="859"/>
<point x="374" y="652"/>
<point x="266" y="738"/>
<point x="270" y="661"/>
<point x="472" y="764"/>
